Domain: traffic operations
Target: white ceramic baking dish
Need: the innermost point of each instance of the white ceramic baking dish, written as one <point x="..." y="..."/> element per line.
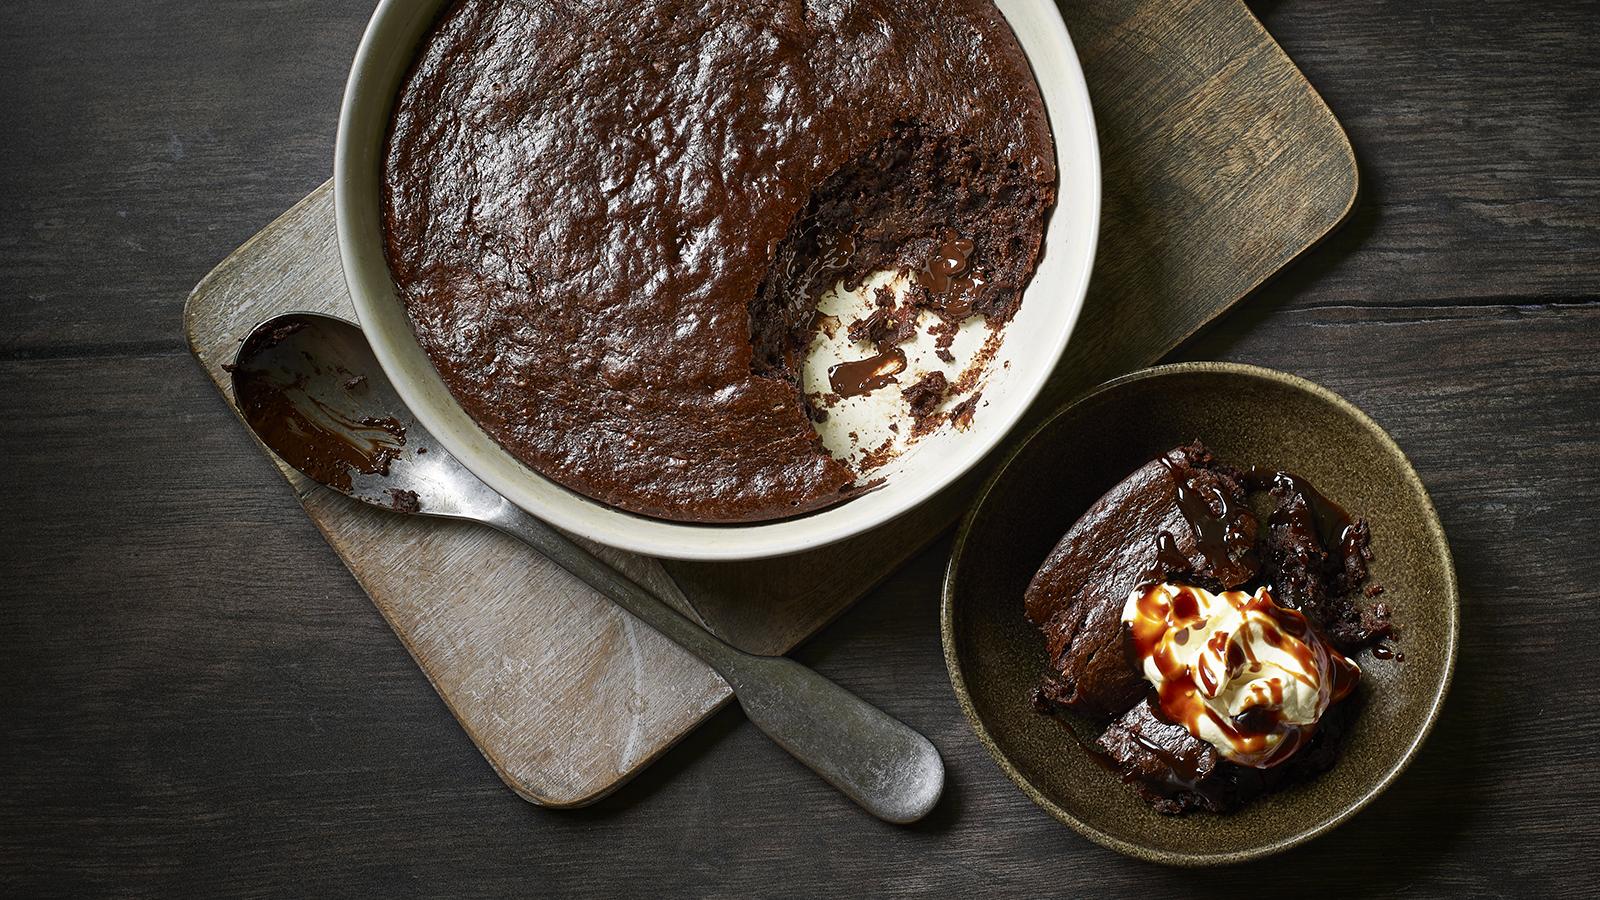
<point x="1032" y="344"/>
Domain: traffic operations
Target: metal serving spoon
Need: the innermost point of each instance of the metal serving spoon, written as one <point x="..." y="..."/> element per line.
<point x="310" y="388"/>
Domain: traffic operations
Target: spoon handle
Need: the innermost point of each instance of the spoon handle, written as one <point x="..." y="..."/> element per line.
<point x="876" y="760"/>
<point x="628" y="594"/>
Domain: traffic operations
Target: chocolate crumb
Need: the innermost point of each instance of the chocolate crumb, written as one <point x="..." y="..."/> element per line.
<point x="917" y="295"/>
<point x="900" y="325"/>
<point x="961" y="415"/>
<point x="872" y="328"/>
<point x="925" y="396"/>
<point x="1040" y="703"/>
<point x="879" y="455"/>
<point x="404" y="501"/>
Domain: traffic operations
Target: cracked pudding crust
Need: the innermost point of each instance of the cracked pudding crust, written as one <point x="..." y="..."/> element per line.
<point x="609" y="222"/>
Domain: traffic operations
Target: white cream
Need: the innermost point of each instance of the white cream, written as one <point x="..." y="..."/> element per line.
<point x="1240" y="672"/>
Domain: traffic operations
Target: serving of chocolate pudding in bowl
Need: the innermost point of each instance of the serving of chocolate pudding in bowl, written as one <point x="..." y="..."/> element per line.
<point x="1203" y="614"/>
<point x="716" y="280"/>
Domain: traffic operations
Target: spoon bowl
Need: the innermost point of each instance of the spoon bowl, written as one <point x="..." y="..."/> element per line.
<point x="310" y="388"/>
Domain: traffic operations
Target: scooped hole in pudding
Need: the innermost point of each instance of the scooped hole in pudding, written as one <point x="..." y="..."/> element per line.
<point x="884" y="284"/>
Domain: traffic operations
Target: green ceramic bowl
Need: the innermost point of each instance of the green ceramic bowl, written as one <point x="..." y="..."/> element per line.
<point x="1248" y="416"/>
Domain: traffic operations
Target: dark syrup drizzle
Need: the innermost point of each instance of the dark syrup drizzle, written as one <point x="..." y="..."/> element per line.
<point x="1215" y="533"/>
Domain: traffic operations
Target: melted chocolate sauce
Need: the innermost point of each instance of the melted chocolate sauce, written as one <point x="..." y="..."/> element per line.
<point x="1182" y="774"/>
<point x="313" y="437"/>
<point x="949" y="276"/>
<point x="1336" y="529"/>
<point x="863" y="376"/>
<point x="1169" y="562"/>
<point x="1215" y="533"/>
<point x="832" y="256"/>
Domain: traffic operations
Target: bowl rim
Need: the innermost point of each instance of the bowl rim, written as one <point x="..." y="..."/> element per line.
<point x="610" y="525"/>
<point x="958" y="683"/>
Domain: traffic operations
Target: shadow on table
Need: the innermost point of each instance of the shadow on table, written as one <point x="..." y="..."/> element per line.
<point x="672" y="765"/>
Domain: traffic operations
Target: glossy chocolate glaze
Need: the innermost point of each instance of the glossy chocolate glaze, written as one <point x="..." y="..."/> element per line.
<point x="608" y="221"/>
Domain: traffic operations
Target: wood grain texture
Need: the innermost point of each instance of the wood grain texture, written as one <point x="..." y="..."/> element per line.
<point x="197" y="700"/>
<point x="180" y="726"/>
<point x="567" y="697"/>
<point x="1222" y="164"/>
<point x="1475" y="125"/>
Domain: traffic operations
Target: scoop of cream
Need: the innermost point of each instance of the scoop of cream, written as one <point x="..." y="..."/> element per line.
<point x="1237" y="670"/>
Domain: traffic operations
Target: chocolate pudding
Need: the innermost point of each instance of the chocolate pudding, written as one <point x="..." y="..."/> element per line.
<point x="1137" y="532"/>
<point x="610" y="222"/>
<point x="1212" y="647"/>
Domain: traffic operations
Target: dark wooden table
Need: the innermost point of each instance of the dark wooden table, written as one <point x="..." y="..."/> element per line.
<point x="196" y="698"/>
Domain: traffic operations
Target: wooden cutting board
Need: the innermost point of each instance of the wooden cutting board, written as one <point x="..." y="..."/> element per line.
<point x="1221" y="165"/>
